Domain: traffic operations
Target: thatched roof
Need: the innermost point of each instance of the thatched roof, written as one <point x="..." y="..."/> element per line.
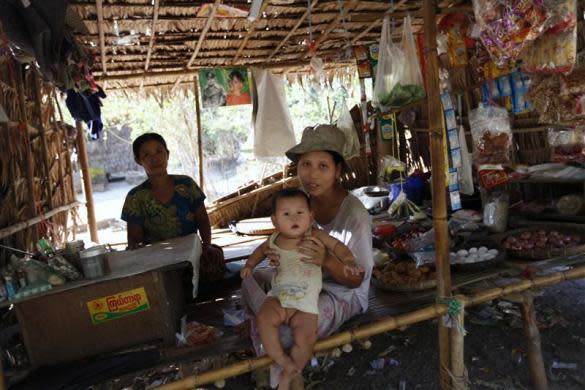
<point x="154" y="42"/>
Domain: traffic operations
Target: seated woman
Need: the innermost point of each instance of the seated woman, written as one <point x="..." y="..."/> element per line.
<point x="340" y="214"/>
<point x="167" y="206"/>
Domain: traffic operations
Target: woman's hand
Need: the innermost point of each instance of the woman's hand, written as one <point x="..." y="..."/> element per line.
<point x="314" y="251"/>
<point x="246" y="272"/>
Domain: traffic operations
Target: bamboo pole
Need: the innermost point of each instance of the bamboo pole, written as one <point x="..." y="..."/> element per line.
<point x="438" y="167"/>
<point x="100" y="25"/>
<point x="251" y="29"/>
<point x="199" y="132"/>
<point x="2" y="377"/>
<point x="200" y="40"/>
<point x="84" y="163"/>
<point x="153" y="34"/>
<point x="43" y="136"/>
<point x="537" y="370"/>
<point x="458" y="372"/>
<point x="10" y="230"/>
<point x="30" y="174"/>
<point x="291" y="32"/>
<point x="384" y="325"/>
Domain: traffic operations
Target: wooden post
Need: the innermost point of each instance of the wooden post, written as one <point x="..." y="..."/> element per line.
<point x="199" y="132"/>
<point x="44" y="147"/>
<point x="537" y="370"/>
<point x="84" y="163"/>
<point x="459" y="375"/>
<point x="438" y="165"/>
<point x="2" y="379"/>
<point x="23" y="128"/>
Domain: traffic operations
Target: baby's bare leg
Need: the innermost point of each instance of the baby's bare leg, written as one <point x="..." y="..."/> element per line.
<point x="269" y="319"/>
<point x="304" y="327"/>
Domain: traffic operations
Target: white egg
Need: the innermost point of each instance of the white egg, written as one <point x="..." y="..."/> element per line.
<point x="453" y="254"/>
<point x="471" y="259"/>
<point x="490" y="256"/>
<point x="462" y="253"/>
<point x="473" y="250"/>
<point x="493" y="252"/>
<point x="482" y="249"/>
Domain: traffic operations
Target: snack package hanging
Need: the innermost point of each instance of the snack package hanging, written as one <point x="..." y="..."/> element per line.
<point x="491" y="134"/>
<point x="556" y="50"/>
<point x="506" y="27"/>
<point x="567" y="145"/>
<point x="398" y="78"/>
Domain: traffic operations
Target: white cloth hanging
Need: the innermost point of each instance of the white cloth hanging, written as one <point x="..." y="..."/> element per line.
<point x="273" y="129"/>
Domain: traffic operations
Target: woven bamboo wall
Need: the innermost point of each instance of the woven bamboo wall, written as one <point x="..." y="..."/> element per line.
<point x="49" y="185"/>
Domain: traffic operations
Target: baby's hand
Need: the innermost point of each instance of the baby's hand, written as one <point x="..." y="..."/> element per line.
<point x="352" y="269"/>
<point x="246" y="272"/>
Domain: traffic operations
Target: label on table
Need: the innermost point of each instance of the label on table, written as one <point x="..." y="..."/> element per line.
<point x="118" y="305"/>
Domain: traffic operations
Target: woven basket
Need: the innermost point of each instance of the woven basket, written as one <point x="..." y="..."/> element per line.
<point x="548" y="253"/>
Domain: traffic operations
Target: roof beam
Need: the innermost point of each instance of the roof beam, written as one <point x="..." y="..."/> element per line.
<point x="201" y="38"/>
<point x="100" y="16"/>
<point x="377" y="22"/>
<point x="290" y="34"/>
<point x="250" y="31"/>
<point x="153" y="33"/>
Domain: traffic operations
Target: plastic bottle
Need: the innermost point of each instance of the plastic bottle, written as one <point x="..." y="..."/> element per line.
<point x="10" y="288"/>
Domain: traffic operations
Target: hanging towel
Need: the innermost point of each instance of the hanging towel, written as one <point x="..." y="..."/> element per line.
<point x="273" y="129"/>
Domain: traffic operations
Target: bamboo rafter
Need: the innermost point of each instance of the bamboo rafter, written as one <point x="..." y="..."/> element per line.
<point x="100" y="21"/>
<point x="201" y="38"/>
<point x="290" y="34"/>
<point x="153" y="34"/>
<point x="251" y="29"/>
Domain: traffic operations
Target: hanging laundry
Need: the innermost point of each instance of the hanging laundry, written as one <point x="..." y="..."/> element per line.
<point x="85" y="106"/>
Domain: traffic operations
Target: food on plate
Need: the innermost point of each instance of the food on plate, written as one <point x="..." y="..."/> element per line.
<point x="401" y="241"/>
<point x="404" y="272"/>
<point x="543" y="239"/>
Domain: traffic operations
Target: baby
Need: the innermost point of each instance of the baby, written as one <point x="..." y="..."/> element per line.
<point x="294" y="296"/>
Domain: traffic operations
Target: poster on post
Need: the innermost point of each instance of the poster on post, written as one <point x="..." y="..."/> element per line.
<point x="224" y="87"/>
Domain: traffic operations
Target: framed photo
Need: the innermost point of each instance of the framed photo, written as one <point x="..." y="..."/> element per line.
<point x="224" y="87"/>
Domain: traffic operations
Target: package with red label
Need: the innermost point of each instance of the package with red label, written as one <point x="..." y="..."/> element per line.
<point x="194" y="333"/>
<point x="491" y="176"/>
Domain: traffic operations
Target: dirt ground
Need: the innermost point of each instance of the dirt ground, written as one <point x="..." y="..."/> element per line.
<point x="494" y="350"/>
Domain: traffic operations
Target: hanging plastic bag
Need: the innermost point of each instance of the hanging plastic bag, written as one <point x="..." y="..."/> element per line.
<point x="351" y="148"/>
<point x="466" y="169"/>
<point x="492" y="135"/>
<point x="398" y="78"/>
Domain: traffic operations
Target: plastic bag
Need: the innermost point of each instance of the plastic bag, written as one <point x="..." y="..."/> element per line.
<point x="351" y="148"/>
<point x="491" y="134"/>
<point x="388" y="167"/>
<point x="422" y="248"/>
<point x="495" y="212"/>
<point x="398" y="78"/>
<point x="195" y="333"/>
<point x="507" y="26"/>
<point x="567" y="145"/>
<point x="466" y="170"/>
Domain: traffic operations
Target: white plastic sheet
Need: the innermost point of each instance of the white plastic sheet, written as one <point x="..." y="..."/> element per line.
<point x="273" y="129"/>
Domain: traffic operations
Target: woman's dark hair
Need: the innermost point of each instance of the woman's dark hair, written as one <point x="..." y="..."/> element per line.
<point x="288" y="193"/>
<point x="337" y="159"/>
<point x="234" y="74"/>
<point x="144" y="138"/>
